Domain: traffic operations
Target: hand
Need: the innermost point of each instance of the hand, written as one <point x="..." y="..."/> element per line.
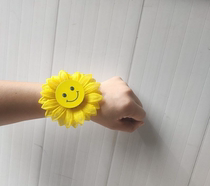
<point x="120" y="108"/>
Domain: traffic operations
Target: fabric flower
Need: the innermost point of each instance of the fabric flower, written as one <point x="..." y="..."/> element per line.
<point x="70" y="99"/>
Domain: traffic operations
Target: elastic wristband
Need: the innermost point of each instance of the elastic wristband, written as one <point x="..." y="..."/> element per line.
<point x="70" y="99"/>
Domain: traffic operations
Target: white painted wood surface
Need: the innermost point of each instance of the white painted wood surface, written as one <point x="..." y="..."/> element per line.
<point x="161" y="48"/>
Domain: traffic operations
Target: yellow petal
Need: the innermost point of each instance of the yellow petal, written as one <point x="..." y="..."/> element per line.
<point x="85" y="79"/>
<point x="91" y="87"/>
<point x="61" y="120"/>
<point x="74" y="124"/>
<point x="50" y="104"/>
<point x="70" y="76"/>
<point x="80" y="77"/>
<point x="57" y="79"/>
<point x="48" y="113"/>
<point x="98" y="91"/>
<point x="42" y="100"/>
<point x="68" y="118"/>
<point x="96" y="105"/>
<point x="63" y="75"/>
<point x="92" y="80"/>
<point x="53" y="82"/>
<point x="48" y="93"/>
<point x="93" y="97"/>
<point x="87" y="116"/>
<point x="44" y="86"/>
<point x="57" y="113"/>
<point x="58" y="116"/>
<point x="89" y="109"/>
<point x="76" y="76"/>
<point x="79" y="116"/>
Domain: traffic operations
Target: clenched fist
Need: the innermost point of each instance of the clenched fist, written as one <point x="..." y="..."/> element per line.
<point x="120" y="108"/>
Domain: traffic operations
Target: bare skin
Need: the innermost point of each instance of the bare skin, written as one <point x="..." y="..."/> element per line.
<point x="19" y="101"/>
<point x="119" y="110"/>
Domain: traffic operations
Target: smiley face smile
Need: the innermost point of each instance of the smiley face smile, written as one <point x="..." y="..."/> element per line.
<point x="75" y="98"/>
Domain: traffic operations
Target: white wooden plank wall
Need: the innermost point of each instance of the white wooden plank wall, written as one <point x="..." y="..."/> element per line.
<point x="27" y="35"/>
<point x="174" y="87"/>
<point x="161" y="48"/>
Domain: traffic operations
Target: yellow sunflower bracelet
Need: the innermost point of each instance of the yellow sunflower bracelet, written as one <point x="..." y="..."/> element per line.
<point x="70" y="99"/>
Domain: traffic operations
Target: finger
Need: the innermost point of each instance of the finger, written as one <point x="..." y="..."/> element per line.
<point x="131" y="120"/>
<point x="135" y="111"/>
<point x="129" y="126"/>
<point x="136" y="99"/>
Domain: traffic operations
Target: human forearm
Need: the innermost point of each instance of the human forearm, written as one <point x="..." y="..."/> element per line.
<point x="19" y="101"/>
<point x="119" y="110"/>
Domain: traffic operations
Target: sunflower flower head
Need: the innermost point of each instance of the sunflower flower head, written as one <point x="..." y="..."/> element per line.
<point x="70" y="99"/>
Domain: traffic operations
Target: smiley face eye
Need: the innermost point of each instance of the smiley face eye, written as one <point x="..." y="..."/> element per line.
<point x="71" y="88"/>
<point x="64" y="95"/>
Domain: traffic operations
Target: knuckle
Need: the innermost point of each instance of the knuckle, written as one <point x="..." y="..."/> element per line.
<point x="144" y="114"/>
<point x="128" y="91"/>
<point x="126" y="105"/>
<point x="117" y="77"/>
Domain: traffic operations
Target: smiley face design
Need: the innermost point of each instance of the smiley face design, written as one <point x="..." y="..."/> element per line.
<point x="69" y="93"/>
